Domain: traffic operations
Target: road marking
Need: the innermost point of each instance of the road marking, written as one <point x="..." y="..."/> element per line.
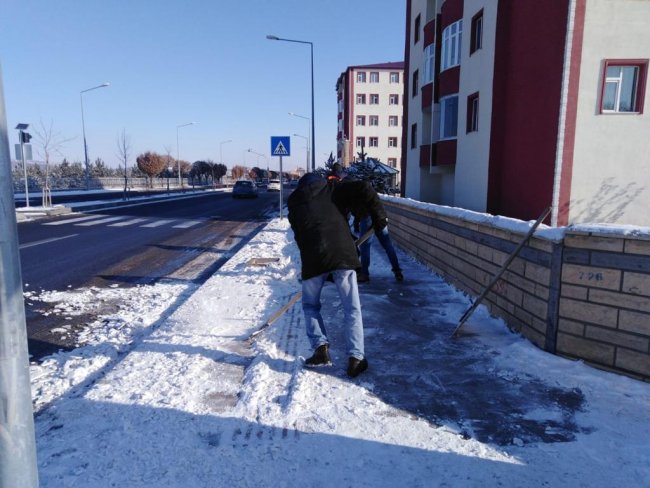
<point x="102" y="221"/>
<point x="157" y="223"/>
<point x="72" y="221"/>
<point x="186" y="225"/>
<point x="127" y="222"/>
<point x="45" y="241"/>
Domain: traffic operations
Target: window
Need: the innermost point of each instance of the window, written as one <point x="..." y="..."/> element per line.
<point x="392" y="162"/>
<point x="429" y="63"/>
<point x="414" y="136"/>
<point x="394" y="77"/>
<point x="472" y="113"/>
<point x="361" y="99"/>
<point x="361" y="120"/>
<point x="393" y="99"/>
<point x="623" y="86"/>
<point x="414" y="91"/>
<point x="373" y="142"/>
<point x="392" y="142"/>
<point x="476" y="41"/>
<point x="361" y="141"/>
<point x="416" y="29"/>
<point x="374" y="99"/>
<point x="392" y="120"/>
<point x="374" y="120"/>
<point x="449" y="117"/>
<point x="374" y="77"/>
<point x="361" y="76"/>
<point x="451" y="38"/>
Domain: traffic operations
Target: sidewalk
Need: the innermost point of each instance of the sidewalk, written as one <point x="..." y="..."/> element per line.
<point x="168" y="392"/>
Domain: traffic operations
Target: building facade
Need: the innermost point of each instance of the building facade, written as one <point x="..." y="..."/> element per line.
<point x="511" y="107"/>
<point x="370" y="113"/>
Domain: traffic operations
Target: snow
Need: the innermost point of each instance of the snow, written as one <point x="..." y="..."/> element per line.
<point x="167" y="391"/>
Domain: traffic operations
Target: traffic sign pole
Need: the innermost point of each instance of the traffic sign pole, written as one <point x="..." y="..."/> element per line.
<point x="281" y="188"/>
<point x="281" y="146"/>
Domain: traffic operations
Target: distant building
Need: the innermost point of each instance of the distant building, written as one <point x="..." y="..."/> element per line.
<point x="370" y="113"/>
<point x="512" y="106"/>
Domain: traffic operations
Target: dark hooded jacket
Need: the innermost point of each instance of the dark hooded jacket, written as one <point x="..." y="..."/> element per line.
<point x="316" y="214"/>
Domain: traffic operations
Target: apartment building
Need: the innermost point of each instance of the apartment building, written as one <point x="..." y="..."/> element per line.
<point x="512" y="106"/>
<point x="370" y="113"/>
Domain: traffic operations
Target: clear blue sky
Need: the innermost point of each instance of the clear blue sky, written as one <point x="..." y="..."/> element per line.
<point x="171" y="62"/>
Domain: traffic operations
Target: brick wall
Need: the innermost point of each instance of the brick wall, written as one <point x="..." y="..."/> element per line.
<point x="582" y="295"/>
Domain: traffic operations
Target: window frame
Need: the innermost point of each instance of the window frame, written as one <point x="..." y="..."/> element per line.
<point x="639" y="89"/>
<point x="414" y="135"/>
<point x="429" y="65"/>
<point x="392" y="162"/>
<point x="373" y="99"/>
<point x="476" y="33"/>
<point x="374" y="74"/>
<point x="390" y="99"/>
<point x="416" y="83"/>
<point x="373" y="118"/>
<point x="443" y="101"/>
<point x="416" y="29"/>
<point x="360" y="141"/>
<point x="361" y="120"/>
<point x="361" y="76"/>
<point x="473" y="106"/>
<point x="361" y="96"/>
<point x="392" y="118"/>
<point x="372" y="139"/>
<point x="394" y="74"/>
<point x="451" y="45"/>
<point x="391" y="140"/>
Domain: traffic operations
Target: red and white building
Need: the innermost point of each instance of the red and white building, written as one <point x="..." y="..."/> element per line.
<point x="370" y="113"/>
<point x="512" y="106"/>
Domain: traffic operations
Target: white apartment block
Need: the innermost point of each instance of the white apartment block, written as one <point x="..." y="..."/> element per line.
<point x="370" y="113"/>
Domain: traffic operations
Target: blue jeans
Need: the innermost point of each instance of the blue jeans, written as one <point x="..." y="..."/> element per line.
<point x="346" y="284"/>
<point x="384" y="239"/>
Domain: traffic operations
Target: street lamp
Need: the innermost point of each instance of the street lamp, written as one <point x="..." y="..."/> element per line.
<point x="267" y="162"/>
<point x="307" y="140"/>
<point x="83" y="129"/>
<point x="178" y="152"/>
<point x="221" y="149"/>
<point x="313" y="137"/>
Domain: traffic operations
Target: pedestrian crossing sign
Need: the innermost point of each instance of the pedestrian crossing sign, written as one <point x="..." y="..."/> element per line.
<point x="280" y="146"/>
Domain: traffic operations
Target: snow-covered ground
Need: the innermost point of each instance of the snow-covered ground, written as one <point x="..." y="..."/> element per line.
<point x="168" y="392"/>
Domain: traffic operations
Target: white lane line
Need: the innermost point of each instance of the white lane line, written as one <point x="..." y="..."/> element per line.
<point x="186" y="225"/>
<point x="157" y="223"/>
<point x="127" y="222"/>
<point x="102" y="221"/>
<point x="45" y="241"/>
<point x="72" y="221"/>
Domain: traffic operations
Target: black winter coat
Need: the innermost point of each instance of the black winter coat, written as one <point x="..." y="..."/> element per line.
<point x="320" y="227"/>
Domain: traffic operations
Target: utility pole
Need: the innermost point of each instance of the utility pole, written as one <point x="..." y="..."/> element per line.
<point x="17" y="438"/>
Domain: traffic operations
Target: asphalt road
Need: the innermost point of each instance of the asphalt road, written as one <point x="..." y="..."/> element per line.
<point x="185" y="239"/>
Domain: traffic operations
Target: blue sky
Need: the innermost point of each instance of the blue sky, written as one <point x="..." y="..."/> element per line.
<point x="173" y="62"/>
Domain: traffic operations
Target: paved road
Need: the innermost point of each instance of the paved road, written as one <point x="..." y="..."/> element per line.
<point x="184" y="239"/>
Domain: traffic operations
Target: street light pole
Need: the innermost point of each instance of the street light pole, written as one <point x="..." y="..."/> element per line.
<point x="307" y="140"/>
<point x="313" y="136"/>
<point x="221" y="149"/>
<point x="258" y="160"/>
<point x="178" y="153"/>
<point x="83" y="129"/>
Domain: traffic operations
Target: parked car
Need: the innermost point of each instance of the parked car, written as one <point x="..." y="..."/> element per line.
<point x="274" y="185"/>
<point x="244" y="189"/>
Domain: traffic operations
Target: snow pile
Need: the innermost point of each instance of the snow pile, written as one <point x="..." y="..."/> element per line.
<point x="191" y="402"/>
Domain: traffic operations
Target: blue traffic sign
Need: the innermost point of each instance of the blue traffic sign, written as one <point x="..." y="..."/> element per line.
<point x="280" y="146"/>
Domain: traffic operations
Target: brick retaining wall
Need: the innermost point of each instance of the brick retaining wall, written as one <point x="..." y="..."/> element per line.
<point x="584" y="295"/>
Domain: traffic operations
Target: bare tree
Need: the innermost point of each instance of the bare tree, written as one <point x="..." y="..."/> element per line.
<point x="48" y="143"/>
<point x="123" y="153"/>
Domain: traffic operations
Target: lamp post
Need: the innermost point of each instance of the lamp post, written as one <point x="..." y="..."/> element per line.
<point x="267" y="162"/>
<point x="221" y="149"/>
<point x="313" y="137"/>
<point x="83" y="129"/>
<point x="178" y="152"/>
<point x="307" y="141"/>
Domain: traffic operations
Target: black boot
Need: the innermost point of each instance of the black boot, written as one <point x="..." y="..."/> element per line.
<point x="398" y="274"/>
<point x="321" y="357"/>
<point x="356" y="366"/>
